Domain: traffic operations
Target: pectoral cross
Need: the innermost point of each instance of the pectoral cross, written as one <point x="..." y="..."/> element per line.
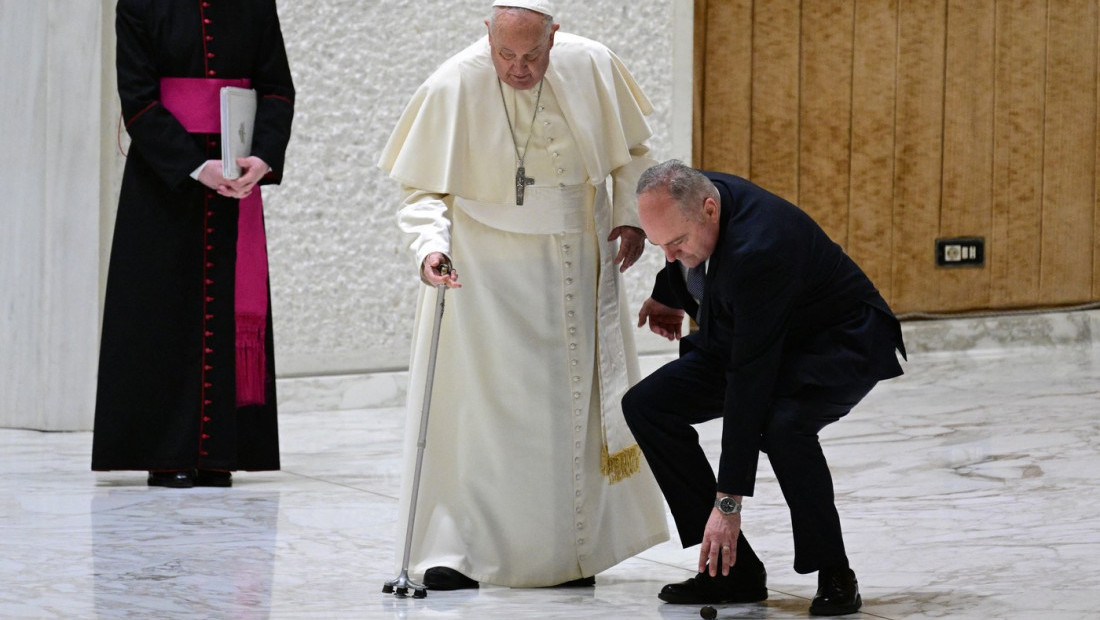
<point x="522" y="182"/>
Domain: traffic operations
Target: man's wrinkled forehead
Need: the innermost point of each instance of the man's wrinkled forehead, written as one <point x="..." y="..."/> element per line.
<point x="520" y="36"/>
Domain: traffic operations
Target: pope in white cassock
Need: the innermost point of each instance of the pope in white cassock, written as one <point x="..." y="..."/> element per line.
<point x="530" y="475"/>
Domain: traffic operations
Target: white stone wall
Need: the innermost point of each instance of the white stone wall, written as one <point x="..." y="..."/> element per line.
<point x="49" y="211"/>
<point x="343" y="284"/>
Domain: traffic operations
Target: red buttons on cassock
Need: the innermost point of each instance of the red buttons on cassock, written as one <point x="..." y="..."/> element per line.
<point x="207" y="21"/>
<point x="209" y="247"/>
<point x="209" y="299"/>
<point x="207" y="384"/>
<point x="209" y="54"/>
<point x="208" y="368"/>
<point x="205" y="418"/>
<point x="208" y="350"/>
<point x="208" y="402"/>
<point x="211" y="72"/>
<point x="209" y="38"/>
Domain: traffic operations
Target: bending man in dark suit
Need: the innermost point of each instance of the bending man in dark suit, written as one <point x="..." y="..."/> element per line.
<point x="792" y="335"/>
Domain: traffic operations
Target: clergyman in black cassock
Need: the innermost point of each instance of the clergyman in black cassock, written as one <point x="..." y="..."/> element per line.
<point x="186" y="385"/>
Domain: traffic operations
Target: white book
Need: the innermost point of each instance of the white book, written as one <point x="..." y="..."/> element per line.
<point x="238" y="109"/>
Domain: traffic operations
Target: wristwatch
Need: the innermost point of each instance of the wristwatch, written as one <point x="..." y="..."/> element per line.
<point x="727" y="505"/>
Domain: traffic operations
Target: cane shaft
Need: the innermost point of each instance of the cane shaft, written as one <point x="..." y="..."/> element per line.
<point x="421" y="440"/>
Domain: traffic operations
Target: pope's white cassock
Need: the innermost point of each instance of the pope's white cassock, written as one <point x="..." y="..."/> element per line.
<point x="530" y="476"/>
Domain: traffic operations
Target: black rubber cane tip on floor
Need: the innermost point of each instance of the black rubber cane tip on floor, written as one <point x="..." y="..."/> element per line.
<point x="708" y="612"/>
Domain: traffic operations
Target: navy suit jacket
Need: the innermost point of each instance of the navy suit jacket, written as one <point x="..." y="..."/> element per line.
<point x="783" y="307"/>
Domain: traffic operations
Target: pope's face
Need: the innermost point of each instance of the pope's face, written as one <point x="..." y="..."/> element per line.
<point x="520" y="48"/>
<point x="688" y="240"/>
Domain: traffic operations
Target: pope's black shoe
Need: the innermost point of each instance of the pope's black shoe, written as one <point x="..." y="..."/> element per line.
<point x="171" y="479"/>
<point x="740" y="586"/>
<point x="444" y="578"/>
<point x="837" y="593"/>
<point x="211" y="478"/>
<point x="583" y="582"/>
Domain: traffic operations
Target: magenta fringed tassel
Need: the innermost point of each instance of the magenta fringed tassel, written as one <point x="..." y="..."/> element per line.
<point x="251" y="360"/>
<point x="250" y="301"/>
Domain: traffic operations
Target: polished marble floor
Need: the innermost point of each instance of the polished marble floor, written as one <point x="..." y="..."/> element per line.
<point x="968" y="489"/>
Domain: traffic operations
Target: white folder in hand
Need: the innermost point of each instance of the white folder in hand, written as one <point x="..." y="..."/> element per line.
<point x="238" y="118"/>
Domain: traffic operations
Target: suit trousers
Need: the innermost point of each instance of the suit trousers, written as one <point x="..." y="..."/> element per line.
<point x="661" y="410"/>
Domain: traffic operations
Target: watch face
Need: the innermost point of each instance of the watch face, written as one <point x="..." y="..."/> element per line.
<point x="727" y="505"/>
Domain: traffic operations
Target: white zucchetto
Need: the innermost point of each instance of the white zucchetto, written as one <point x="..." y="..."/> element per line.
<point x="538" y="6"/>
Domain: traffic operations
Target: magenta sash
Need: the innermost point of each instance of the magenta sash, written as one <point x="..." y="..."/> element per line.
<point x="196" y="103"/>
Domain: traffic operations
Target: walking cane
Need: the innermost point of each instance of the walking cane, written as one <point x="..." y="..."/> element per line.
<point x="400" y="585"/>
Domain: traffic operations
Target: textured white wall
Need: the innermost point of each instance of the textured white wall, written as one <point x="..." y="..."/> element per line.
<point x="343" y="284"/>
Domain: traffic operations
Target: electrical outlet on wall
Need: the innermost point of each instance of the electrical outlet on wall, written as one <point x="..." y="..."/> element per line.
<point x="960" y="252"/>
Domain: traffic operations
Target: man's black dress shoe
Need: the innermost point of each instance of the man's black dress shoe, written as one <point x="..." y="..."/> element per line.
<point x="583" y="582"/>
<point x="740" y="586"/>
<point x="210" y="478"/>
<point x="171" y="479"/>
<point x="444" y="578"/>
<point x="837" y="593"/>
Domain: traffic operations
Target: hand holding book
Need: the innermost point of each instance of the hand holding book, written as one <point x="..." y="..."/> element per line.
<point x="252" y="170"/>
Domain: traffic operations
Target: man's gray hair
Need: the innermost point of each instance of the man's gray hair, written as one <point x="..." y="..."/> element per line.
<point x="547" y="20"/>
<point x="687" y="186"/>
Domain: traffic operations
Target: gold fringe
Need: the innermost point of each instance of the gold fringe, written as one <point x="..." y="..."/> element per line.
<point x="621" y="465"/>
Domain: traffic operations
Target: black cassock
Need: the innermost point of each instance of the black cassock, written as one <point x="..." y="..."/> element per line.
<point x="166" y="395"/>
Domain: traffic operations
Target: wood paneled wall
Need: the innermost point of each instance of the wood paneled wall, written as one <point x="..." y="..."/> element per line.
<point x="896" y="122"/>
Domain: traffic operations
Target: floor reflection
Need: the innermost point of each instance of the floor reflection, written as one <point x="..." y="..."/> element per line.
<point x="167" y="552"/>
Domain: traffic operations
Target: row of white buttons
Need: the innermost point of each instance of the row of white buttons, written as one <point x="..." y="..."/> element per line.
<point x="579" y="407"/>
<point x="554" y="154"/>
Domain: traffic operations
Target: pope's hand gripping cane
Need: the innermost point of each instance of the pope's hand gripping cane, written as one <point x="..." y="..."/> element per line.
<point x="400" y="585"/>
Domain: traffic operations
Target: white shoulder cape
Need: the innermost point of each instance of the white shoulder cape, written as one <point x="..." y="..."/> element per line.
<point x="432" y="148"/>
